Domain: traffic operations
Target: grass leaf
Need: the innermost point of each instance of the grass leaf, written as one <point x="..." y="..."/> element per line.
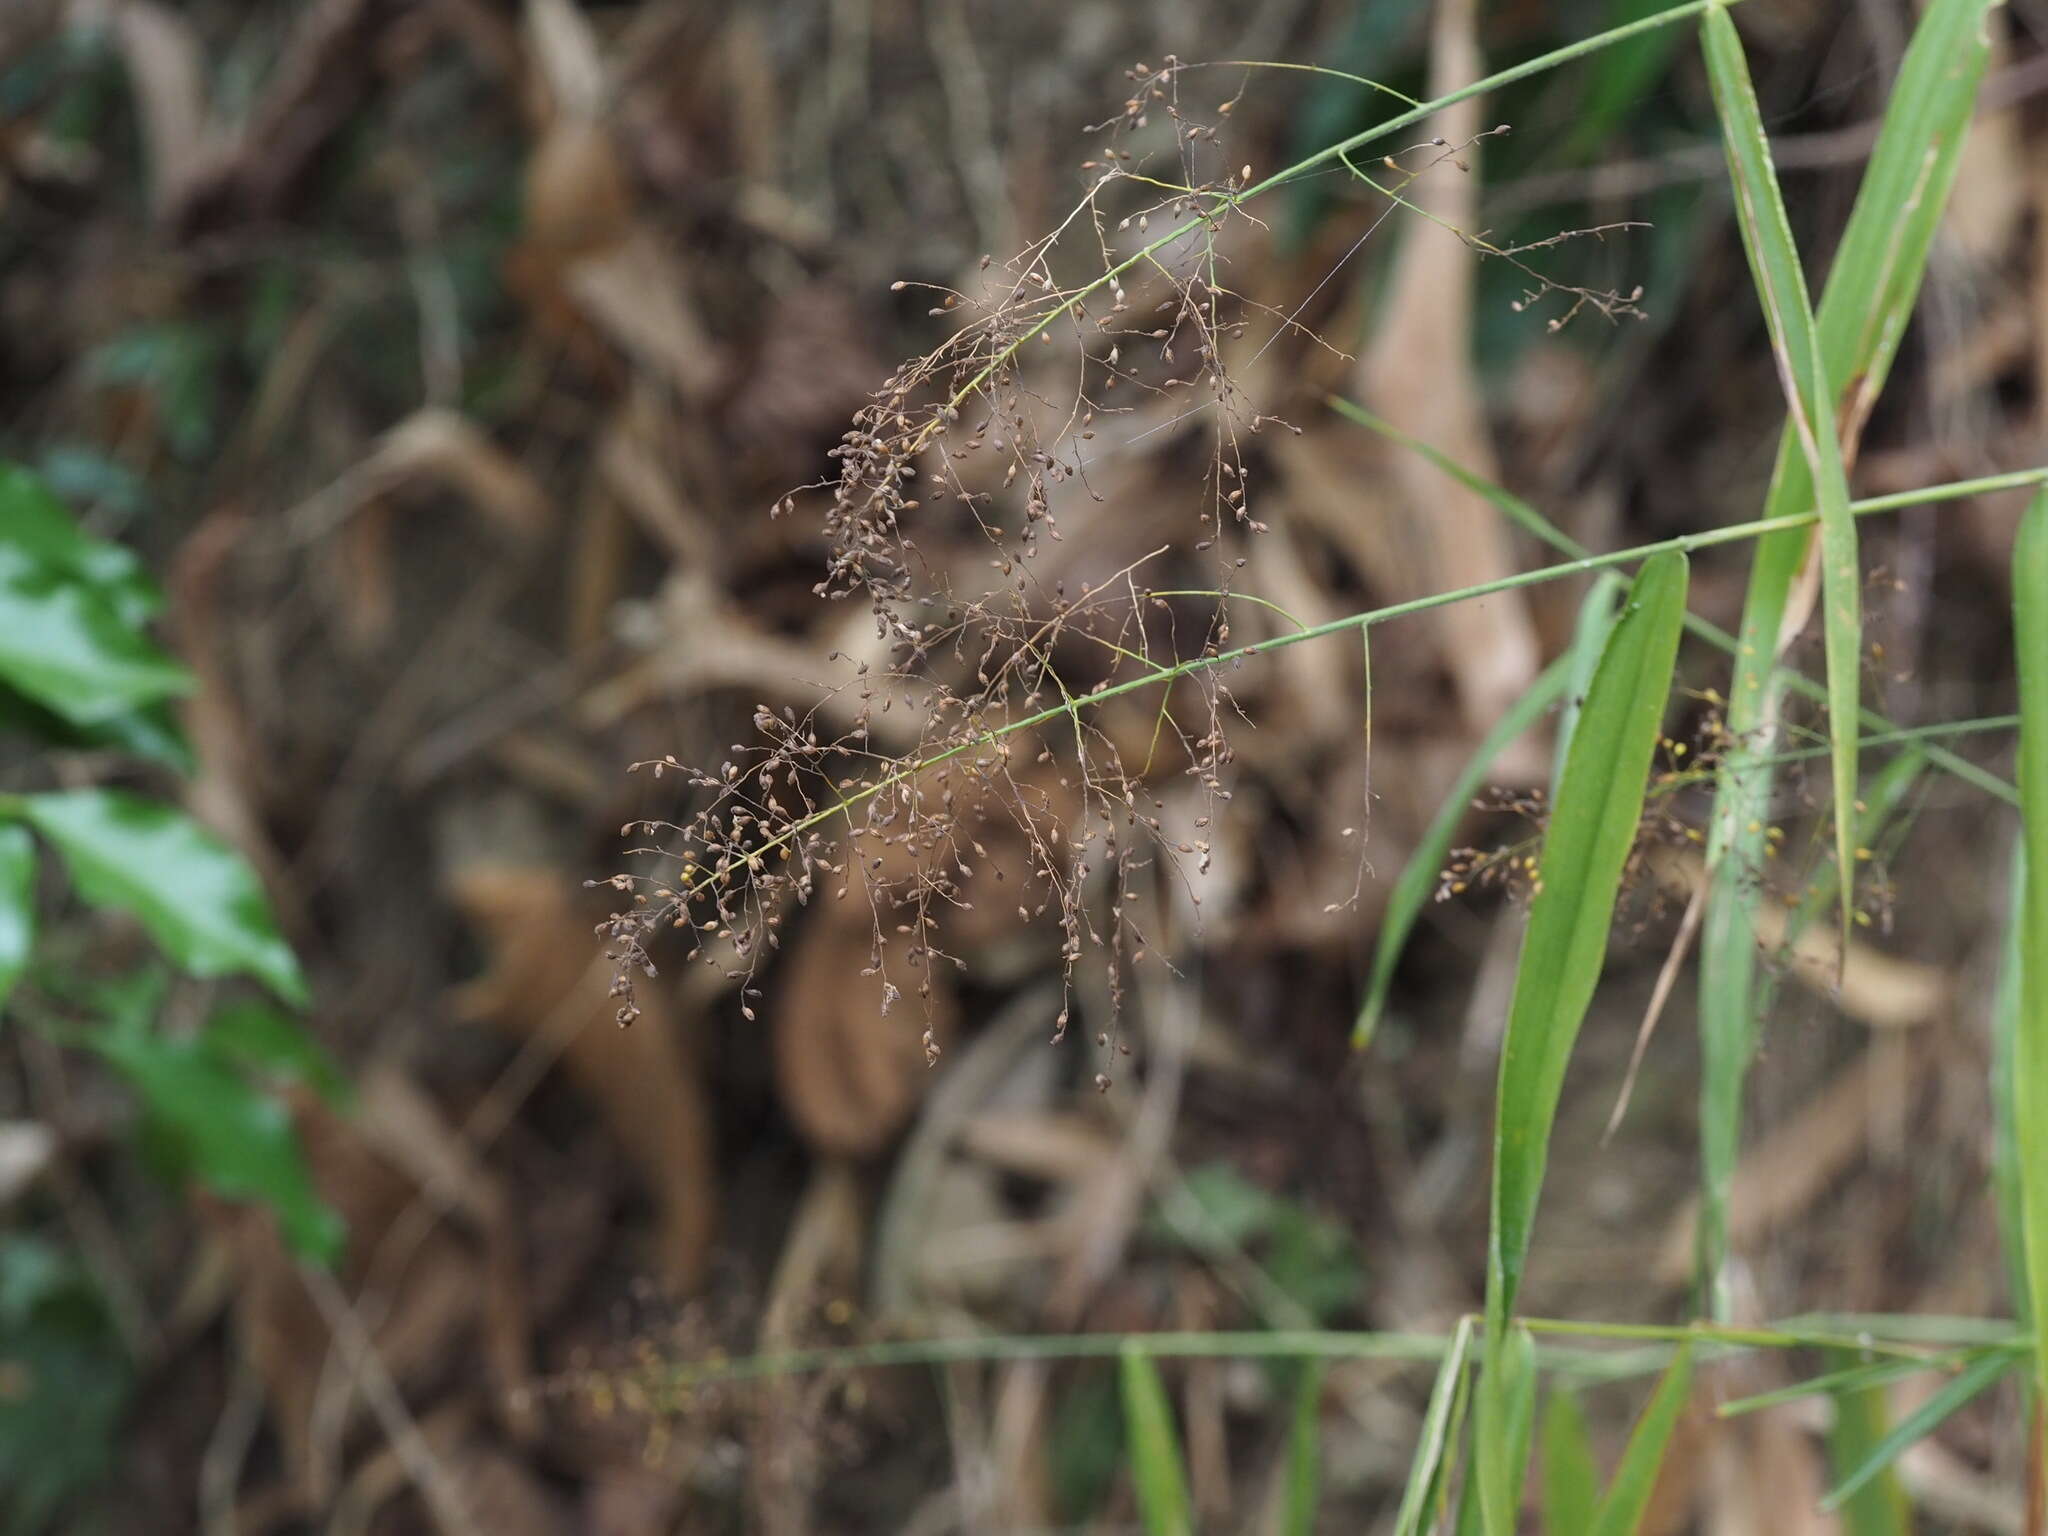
<point x="1571" y="1478"/>
<point x="1621" y="1511"/>
<point x="1298" y="1513"/>
<point x="1425" y="1472"/>
<point x="1781" y="288"/>
<point x="1919" y="1424"/>
<point x="1157" y="1470"/>
<point x="2030" y="1079"/>
<point x="1879" y="1507"/>
<point x="1595" y="812"/>
<point x="1863" y="312"/>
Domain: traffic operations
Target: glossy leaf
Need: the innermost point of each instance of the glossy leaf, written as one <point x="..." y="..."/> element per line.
<point x="196" y="896"/>
<point x="1157" y="1470"/>
<point x="17" y="905"/>
<point x="70" y="614"/>
<point x="68" y="1382"/>
<point x="271" y="1045"/>
<point x="222" y="1131"/>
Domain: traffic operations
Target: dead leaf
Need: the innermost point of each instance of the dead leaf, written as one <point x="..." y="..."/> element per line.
<point x="1418" y="375"/>
<point x="848" y="1072"/>
<point x="547" y="977"/>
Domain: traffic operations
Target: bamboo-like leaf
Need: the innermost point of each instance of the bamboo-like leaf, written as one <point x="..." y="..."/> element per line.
<point x="1621" y="1511"/>
<point x="1919" y="1424"/>
<point x="1803" y="375"/>
<point x="1593" y="823"/>
<point x="1425" y="1472"/>
<point x="1419" y="876"/>
<point x="1304" y="1478"/>
<point x="1863" y="312"/>
<point x="1879" y="1507"/>
<point x="1571" y="1478"/>
<point x="1157" y="1470"/>
<point x="2030" y="1078"/>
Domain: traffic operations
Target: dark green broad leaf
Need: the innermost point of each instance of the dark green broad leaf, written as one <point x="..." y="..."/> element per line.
<point x="17" y="905"/>
<point x="196" y="896"/>
<point x="274" y="1046"/>
<point x="151" y="731"/>
<point x="71" y="611"/>
<point x="221" y="1131"/>
<point x="65" y="1381"/>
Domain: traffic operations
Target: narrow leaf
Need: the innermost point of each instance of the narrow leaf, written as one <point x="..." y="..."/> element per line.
<point x="1879" y="1507"/>
<point x="1425" y="1472"/>
<point x="1868" y="300"/>
<point x="1420" y="875"/>
<point x="1621" y="1511"/>
<point x="1504" y="1428"/>
<point x="1157" y="1470"/>
<point x="1919" y="1424"/>
<point x="2030" y="1078"/>
<point x="1594" y="818"/>
<point x="1298" y="1513"/>
<point x="1589" y="639"/>
<point x="1571" y="1479"/>
<point x="1781" y="288"/>
<point x="196" y="896"/>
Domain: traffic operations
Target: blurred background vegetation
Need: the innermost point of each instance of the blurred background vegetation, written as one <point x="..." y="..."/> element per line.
<point x="432" y="367"/>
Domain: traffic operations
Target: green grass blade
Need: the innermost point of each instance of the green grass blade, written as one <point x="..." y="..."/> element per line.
<point x="1571" y="1480"/>
<point x="1847" y="1378"/>
<point x="1863" y="312"/>
<point x="1589" y="639"/>
<point x="1419" y="876"/>
<point x="1754" y="648"/>
<point x="1621" y="1511"/>
<point x="1593" y="822"/>
<point x="1157" y="1469"/>
<point x="1781" y="288"/>
<point x="1304" y="1476"/>
<point x="1505" y="1427"/>
<point x="1879" y="1507"/>
<point x="2030" y="1084"/>
<point x="2005" y="1138"/>
<point x="1426" y="1471"/>
<point x="1918" y="1425"/>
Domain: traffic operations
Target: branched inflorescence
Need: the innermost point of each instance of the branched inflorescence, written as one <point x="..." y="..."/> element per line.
<point x="965" y="749"/>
